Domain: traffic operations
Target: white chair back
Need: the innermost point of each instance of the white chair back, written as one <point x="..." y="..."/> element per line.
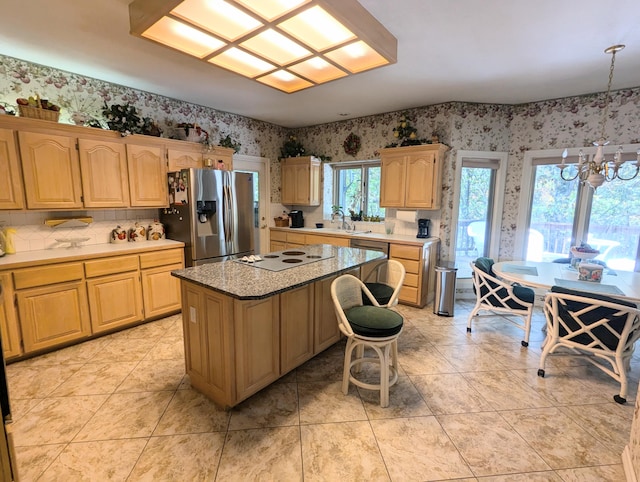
<point x="391" y="273"/>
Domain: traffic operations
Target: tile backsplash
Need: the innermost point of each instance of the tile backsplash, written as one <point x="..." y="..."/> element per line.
<point x="32" y="234"/>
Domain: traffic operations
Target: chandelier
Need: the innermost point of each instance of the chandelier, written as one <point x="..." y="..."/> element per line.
<point x="595" y="171"/>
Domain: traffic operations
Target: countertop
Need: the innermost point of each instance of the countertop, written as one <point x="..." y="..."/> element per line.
<point x="246" y="282"/>
<point x="63" y="254"/>
<point x="390" y="238"/>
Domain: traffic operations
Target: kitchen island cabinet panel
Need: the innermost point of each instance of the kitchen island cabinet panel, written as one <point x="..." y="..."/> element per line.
<point x="296" y="318"/>
<point x="11" y="193"/>
<point x="257" y="344"/>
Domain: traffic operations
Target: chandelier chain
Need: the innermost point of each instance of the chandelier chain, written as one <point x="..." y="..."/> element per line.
<point x="607" y="99"/>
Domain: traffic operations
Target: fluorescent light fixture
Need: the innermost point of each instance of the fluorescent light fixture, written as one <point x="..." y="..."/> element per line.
<point x="289" y="45"/>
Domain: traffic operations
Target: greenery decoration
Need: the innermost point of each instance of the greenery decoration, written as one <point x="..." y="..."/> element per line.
<point x="125" y="119"/>
<point x="230" y="143"/>
<point x="406" y="134"/>
<point x="351" y="144"/>
<point x="292" y="148"/>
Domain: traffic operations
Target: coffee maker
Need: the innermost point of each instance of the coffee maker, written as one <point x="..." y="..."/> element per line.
<point x="297" y="221"/>
<point x="423" y="228"/>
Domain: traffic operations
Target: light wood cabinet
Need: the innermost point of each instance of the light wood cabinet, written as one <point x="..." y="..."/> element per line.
<point x="300" y="181"/>
<point x="184" y="158"/>
<point x="160" y="290"/>
<point x="411" y="176"/>
<point x="147" y="176"/>
<point x="8" y="319"/>
<point x="11" y="193"/>
<point x="105" y="181"/>
<point x="257" y="344"/>
<point x="51" y="171"/>
<point x="419" y="263"/>
<point x="325" y="239"/>
<point x="114" y="291"/>
<point x="52" y="305"/>
<point x="296" y="325"/>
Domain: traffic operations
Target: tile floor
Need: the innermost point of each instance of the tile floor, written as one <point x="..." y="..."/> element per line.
<point x="467" y="407"/>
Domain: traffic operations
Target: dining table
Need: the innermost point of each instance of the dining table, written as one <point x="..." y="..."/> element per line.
<point x="543" y="275"/>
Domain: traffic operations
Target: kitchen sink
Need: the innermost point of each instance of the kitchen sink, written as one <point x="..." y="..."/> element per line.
<point x="341" y="231"/>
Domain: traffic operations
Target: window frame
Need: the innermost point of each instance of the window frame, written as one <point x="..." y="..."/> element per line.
<point x="585" y="194"/>
<point x="364" y="167"/>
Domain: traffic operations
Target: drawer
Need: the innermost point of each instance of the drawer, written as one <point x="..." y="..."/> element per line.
<point x="119" y="264"/>
<point x="46" y="275"/>
<point x="406" y="252"/>
<point x="410" y="279"/>
<point x="410" y="266"/>
<point x="160" y="258"/>
<point x="409" y="294"/>
<point x="278" y="236"/>
<point x="296" y="238"/>
<point x="334" y="241"/>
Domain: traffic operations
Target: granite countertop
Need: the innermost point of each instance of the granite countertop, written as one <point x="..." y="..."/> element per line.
<point x="246" y="282"/>
<point x="64" y="254"/>
<point x="390" y="238"/>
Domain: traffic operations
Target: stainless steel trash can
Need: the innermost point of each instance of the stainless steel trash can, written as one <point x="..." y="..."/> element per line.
<point x="445" y="289"/>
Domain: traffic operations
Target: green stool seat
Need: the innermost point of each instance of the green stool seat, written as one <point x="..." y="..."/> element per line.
<point x="374" y="321"/>
<point x="380" y="291"/>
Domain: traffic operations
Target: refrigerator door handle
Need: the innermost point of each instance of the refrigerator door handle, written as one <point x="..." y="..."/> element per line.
<point x="227" y="214"/>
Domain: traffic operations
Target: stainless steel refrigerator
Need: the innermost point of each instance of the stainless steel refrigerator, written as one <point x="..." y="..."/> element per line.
<point x="212" y="212"/>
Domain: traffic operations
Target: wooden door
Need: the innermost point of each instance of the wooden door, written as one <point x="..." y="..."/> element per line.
<point x="392" y="180"/>
<point x="288" y="182"/>
<point x="105" y="182"/>
<point x="51" y="171"/>
<point x="302" y="190"/>
<point x="147" y="176"/>
<point x="257" y="344"/>
<point x="114" y="301"/>
<point x="53" y="315"/>
<point x="11" y="193"/>
<point x="296" y="325"/>
<point x="420" y="180"/>
<point x="160" y="290"/>
<point x="8" y="319"/>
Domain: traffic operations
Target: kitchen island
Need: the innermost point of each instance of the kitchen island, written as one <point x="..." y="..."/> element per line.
<point x="246" y="326"/>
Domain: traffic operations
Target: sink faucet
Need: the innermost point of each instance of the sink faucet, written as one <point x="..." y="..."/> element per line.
<point x="344" y="224"/>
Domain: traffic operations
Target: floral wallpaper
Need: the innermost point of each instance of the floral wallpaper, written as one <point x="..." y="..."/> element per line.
<point x="571" y="122"/>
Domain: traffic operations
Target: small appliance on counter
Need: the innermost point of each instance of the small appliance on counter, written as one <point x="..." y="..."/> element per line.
<point x="297" y="221"/>
<point x="423" y="228"/>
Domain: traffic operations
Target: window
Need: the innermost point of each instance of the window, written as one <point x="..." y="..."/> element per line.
<point x="477" y="216"/>
<point x="357" y="188"/>
<point x="566" y="213"/>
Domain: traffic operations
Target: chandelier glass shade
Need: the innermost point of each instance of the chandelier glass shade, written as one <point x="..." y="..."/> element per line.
<point x="596" y="170"/>
<point x="289" y="45"/>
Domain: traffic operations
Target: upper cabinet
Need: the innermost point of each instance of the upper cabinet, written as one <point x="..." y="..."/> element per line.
<point x="411" y="176"/>
<point x="105" y="182"/>
<point x="147" y="176"/>
<point x="51" y="171"/>
<point x="301" y="181"/>
<point x="11" y="194"/>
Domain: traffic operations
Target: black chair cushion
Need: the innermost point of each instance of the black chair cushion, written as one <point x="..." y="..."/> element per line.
<point x="380" y="291"/>
<point x="525" y="294"/>
<point x="600" y="332"/>
<point x="374" y="321"/>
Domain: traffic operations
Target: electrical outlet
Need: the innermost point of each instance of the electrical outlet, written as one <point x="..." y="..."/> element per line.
<point x="192" y="314"/>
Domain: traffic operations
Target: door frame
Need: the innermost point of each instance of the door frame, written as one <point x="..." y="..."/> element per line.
<point x="262" y="166"/>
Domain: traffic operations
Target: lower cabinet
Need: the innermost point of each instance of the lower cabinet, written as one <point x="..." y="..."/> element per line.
<point x="61" y="303"/>
<point x="296" y="323"/>
<point x="418" y="261"/>
<point x="8" y="319"/>
<point x="234" y="348"/>
<point x="53" y="315"/>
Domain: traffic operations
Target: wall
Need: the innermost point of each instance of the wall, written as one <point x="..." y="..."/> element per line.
<point x="572" y="122"/>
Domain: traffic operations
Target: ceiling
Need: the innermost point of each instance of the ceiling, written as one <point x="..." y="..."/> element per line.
<point x="493" y="51"/>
